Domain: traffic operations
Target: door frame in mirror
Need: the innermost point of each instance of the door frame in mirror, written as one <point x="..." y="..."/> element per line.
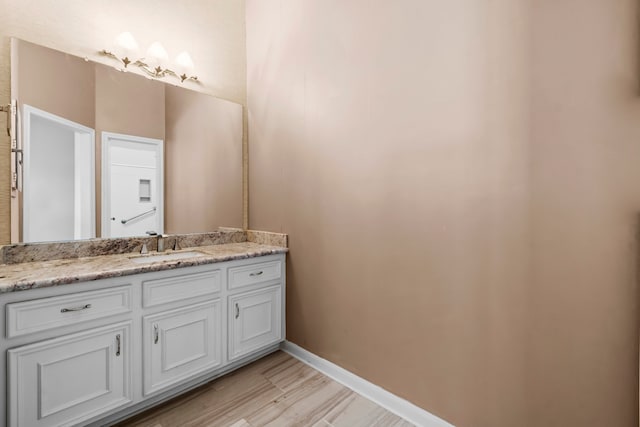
<point x="105" y="208"/>
<point x="27" y="113"/>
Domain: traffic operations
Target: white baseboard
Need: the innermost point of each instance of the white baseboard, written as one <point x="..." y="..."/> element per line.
<point x="382" y="397"/>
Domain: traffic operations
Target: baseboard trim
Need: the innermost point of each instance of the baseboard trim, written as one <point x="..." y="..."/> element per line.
<point x="382" y="397"/>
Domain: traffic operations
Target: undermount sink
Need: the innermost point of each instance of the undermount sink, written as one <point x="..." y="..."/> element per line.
<point x="145" y="259"/>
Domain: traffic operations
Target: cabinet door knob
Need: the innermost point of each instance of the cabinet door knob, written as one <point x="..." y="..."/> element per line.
<point x="156" y="335"/>
<point x="118" y="345"/>
<point x="237" y="310"/>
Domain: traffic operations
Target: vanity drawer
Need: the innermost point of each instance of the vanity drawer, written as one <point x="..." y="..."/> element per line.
<point x="180" y="287"/>
<point x="47" y="313"/>
<point x="252" y="274"/>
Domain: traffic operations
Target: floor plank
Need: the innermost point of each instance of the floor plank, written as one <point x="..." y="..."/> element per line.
<point x="277" y="391"/>
<point x="289" y="374"/>
<point x="303" y="406"/>
<point x="356" y="411"/>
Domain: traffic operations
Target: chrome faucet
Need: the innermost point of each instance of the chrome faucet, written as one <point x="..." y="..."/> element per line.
<point x="160" y="244"/>
<point x="159" y="240"/>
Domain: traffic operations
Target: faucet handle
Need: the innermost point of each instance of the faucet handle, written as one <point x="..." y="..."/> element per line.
<point x="159" y="242"/>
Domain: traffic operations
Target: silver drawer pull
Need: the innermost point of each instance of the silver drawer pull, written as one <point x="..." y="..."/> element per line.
<point x="156" y="335"/>
<point x="118" y="345"/>
<point x="256" y="273"/>
<point x="84" y="307"/>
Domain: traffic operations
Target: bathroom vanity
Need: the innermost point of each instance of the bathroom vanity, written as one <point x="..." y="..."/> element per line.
<point x="95" y="330"/>
<point x="96" y="339"/>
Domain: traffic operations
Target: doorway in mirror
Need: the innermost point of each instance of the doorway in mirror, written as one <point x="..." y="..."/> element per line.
<point x="59" y="189"/>
<point x="132" y="185"/>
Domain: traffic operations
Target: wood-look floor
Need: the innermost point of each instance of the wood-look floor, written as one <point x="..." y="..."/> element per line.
<point x="276" y="390"/>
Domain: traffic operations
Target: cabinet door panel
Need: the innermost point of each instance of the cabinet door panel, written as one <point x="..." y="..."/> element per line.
<point x="255" y="320"/>
<point x="66" y="380"/>
<point x="180" y="344"/>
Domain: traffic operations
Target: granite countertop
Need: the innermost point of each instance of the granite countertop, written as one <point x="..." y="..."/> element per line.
<point x="42" y="274"/>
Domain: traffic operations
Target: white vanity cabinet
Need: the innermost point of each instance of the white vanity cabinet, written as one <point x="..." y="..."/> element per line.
<point x="255" y="306"/>
<point x="94" y="353"/>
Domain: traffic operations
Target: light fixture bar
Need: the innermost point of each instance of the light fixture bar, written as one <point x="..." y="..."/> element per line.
<point x="126" y="61"/>
<point x="159" y="72"/>
<point x="153" y="72"/>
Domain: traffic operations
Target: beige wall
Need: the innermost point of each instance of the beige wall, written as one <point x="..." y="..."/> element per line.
<point x="60" y="84"/>
<point x="460" y="183"/>
<point x="389" y="139"/>
<point x="582" y="354"/>
<point x="212" y="31"/>
<point x="201" y="195"/>
<point x="129" y="104"/>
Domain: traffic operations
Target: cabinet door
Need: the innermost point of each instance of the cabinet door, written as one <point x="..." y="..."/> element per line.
<point x="180" y="344"/>
<point x="67" y="380"/>
<point x="255" y="320"/>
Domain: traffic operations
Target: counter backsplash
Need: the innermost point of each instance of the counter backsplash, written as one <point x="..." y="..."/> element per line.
<point x="47" y="251"/>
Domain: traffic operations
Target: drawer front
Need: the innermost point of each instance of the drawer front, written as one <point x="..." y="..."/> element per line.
<point x="182" y="287"/>
<point x="47" y="313"/>
<point x="252" y="274"/>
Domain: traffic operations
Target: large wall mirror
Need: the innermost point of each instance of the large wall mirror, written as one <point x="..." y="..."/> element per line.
<point x="114" y="154"/>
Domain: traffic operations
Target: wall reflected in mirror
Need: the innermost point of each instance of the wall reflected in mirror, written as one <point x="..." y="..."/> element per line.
<point x="112" y="154"/>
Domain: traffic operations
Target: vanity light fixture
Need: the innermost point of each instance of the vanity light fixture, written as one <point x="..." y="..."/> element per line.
<point x="153" y="63"/>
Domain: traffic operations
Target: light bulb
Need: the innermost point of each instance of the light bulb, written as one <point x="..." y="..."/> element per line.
<point x="156" y="55"/>
<point x="127" y="46"/>
<point x="184" y="64"/>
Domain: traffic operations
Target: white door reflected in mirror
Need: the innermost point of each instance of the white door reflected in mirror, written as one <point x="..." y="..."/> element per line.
<point x="132" y="185"/>
<point x="59" y="186"/>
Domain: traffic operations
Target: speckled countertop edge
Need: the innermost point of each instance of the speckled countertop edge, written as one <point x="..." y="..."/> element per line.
<point x="43" y="274"/>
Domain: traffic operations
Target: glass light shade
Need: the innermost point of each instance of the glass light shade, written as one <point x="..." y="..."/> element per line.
<point x="157" y="55"/>
<point x="184" y="64"/>
<point x="127" y="46"/>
